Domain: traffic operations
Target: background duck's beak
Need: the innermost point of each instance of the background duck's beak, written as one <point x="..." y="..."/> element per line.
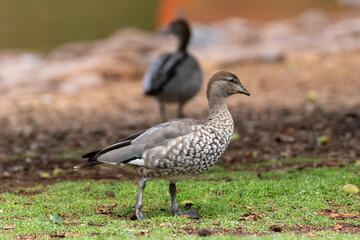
<point x="243" y="90"/>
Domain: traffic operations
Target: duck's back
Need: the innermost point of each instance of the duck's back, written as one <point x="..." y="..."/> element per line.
<point x="173" y="77"/>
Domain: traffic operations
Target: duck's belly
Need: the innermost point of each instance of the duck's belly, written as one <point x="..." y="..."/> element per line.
<point x="188" y="155"/>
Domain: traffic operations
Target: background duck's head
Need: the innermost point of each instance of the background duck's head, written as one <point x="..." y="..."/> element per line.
<point x="224" y="84"/>
<point x="179" y="28"/>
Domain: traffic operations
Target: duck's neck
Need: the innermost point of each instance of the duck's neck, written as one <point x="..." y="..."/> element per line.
<point x="218" y="108"/>
<point x="183" y="41"/>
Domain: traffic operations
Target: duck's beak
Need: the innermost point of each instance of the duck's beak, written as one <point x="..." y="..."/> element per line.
<point x="243" y="90"/>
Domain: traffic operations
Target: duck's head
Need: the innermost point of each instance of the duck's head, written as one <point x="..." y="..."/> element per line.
<point x="179" y="27"/>
<point x="224" y="84"/>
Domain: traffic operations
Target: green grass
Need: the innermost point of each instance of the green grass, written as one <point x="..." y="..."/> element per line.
<point x="286" y="198"/>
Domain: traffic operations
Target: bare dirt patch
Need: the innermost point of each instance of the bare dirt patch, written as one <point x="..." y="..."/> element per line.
<point x="43" y="138"/>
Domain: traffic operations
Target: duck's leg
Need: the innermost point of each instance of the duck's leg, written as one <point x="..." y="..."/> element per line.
<point x="180" y="113"/>
<point x="138" y="204"/>
<point x="162" y="111"/>
<point x="175" y="207"/>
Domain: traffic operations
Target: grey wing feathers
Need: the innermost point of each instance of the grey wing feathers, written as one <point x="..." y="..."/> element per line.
<point x="161" y="134"/>
<point x="93" y="156"/>
<point x="161" y="72"/>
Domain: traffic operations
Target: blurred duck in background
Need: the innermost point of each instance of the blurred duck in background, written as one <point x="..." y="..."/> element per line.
<point x="174" y="77"/>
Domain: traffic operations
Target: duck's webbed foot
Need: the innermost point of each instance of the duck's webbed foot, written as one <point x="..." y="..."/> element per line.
<point x="137" y="215"/>
<point x="175" y="208"/>
<point x="193" y="214"/>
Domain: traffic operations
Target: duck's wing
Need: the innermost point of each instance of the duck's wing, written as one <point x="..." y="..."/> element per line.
<point x="132" y="148"/>
<point x="92" y="156"/>
<point x="162" y="71"/>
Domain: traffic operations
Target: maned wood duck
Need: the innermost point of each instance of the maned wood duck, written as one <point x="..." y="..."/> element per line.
<point x="179" y="148"/>
<point x="174" y="77"/>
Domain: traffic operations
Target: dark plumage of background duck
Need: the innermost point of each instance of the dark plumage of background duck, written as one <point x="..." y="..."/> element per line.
<point x="174" y="77"/>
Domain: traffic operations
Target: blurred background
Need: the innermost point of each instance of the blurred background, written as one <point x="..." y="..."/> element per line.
<point x="42" y="25"/>
<point x="71" y="78"/>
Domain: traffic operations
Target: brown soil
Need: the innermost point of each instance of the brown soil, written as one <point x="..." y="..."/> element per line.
<point x="41" y="133"/>
<point x="344" y="228"/>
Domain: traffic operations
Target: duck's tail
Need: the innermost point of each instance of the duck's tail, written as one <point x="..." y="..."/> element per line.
<point x="90" y="162"/>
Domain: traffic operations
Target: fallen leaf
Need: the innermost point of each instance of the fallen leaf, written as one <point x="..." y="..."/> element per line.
<point x="349" y="215"/>
<point x="334" y="215"/>
<point x="228" y="179"/>
<point x="337" y="227"/>
<point x="27" y="237"/>
<point x="96" y="224"/>
<point x="45" y="175"/>
<point x="357" y="163"/>
<point x="322" y="140"/>
<point x="57" y="172"/>
<point x="220" y="193"/>
<point x="56" y="219"/>
<point x="252" y="216"/>
<point x="282" y="138"/>
<point x="9" y="226"/>
<point x="76" y="235"/>
<point x="105" y="209"/>
<point x="217" y="223"/>
<point x="234" y="137"/>
<point x="276" y="228"/>
<point x="143" y="232"/>
<point x="312" y="95"/>
<point x="187" y="203"/>
<point x="109" y="193"/>
<point x="165" y="224"/>
<point x="328" y="210"/>
<point x="57" y="235"/>
<point x="311" y="235"/>
<point x="351" y="189"/>
<point x="204" y="232"/>
<point x="273" y="208"/>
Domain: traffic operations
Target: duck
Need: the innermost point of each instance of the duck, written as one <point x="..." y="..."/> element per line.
<point x="174" y="77"/>
<point x="177" y="149"/>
